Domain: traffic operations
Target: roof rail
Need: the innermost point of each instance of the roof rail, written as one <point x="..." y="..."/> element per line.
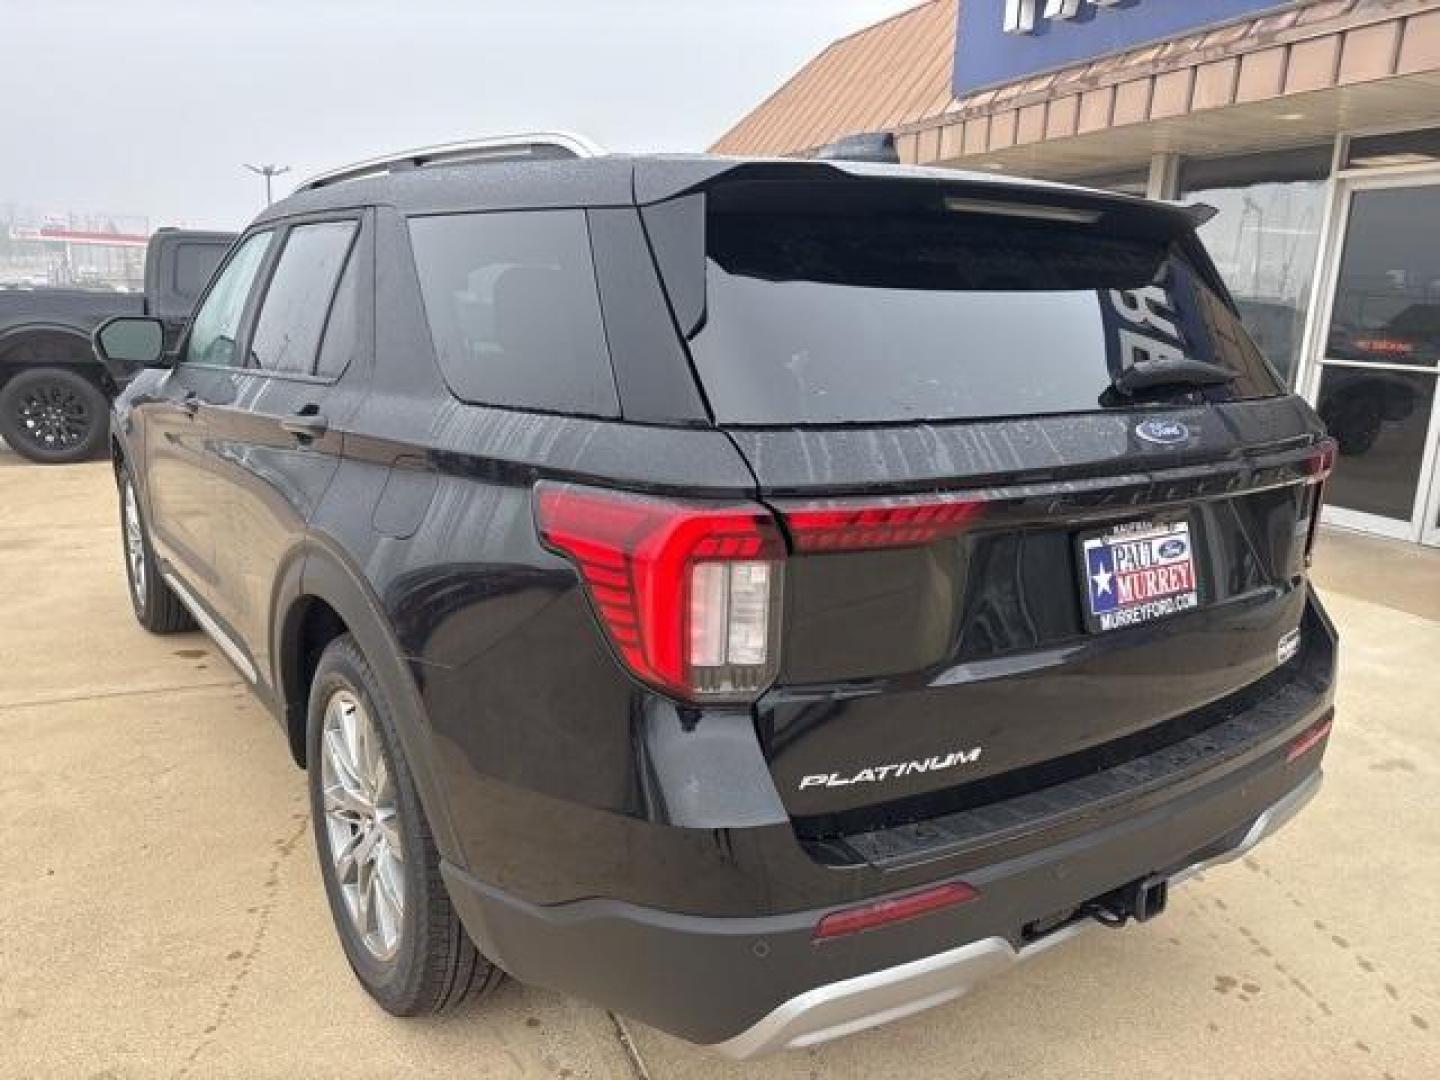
<point x="531" y="146"/>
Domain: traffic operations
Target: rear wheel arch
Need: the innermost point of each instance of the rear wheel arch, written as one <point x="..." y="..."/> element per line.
<point x="328" y="597"/>
<point x="48" y="345"/>
<point x="310" y="624"/>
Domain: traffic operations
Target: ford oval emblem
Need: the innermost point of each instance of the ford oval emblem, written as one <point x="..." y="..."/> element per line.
<point x="1163" y="432"/>
<point x="1172" y="549"/>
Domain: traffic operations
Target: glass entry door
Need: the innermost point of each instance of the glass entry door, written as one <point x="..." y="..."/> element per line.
<point x="1380" y="366"/>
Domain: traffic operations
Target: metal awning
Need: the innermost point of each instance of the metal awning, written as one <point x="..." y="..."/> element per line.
<point x="1282" y="80"/>
<point x="1289" y="78"/>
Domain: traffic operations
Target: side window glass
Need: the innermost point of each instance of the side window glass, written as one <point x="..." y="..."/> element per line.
<point x="287" y="334"/>
<point x="217" y="323"/>
<point x="514" y="311"/>
<point x="342" y="330"/>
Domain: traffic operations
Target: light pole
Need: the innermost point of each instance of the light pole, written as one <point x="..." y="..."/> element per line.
<point x="269" y="172"/>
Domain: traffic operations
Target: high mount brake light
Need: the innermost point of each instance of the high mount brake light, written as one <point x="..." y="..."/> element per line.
<point x="689" y="593"/>
<point x="848" y="525"/>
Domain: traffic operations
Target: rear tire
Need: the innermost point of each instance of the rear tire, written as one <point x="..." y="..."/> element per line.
<point x="1354" y="420"/>
<point x="377" y="854"/>
<point x="156" y="606"/>
<point x="53" y="415"/>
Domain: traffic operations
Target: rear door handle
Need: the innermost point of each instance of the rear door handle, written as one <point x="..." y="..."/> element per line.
<point x="305" y="426"/>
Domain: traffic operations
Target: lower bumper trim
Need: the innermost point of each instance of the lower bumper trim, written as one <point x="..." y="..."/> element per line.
<point x="1267" y="824"/>
<point x="843" y="1008"/>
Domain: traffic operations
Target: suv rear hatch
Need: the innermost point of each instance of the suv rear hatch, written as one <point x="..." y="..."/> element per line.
<point x="1045" y="501"/>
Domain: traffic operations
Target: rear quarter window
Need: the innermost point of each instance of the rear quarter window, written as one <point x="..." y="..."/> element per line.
<point x="514" y="311"/>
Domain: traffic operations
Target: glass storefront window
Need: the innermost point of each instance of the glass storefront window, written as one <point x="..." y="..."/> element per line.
<point x="1265" y="239"/>
<point x="1387" y="294"/>
<point x="1380" y="419"/>
<point x="1382" y="351"/>
<point x="1398" y="148"/>
<point x="1128" y="182"/>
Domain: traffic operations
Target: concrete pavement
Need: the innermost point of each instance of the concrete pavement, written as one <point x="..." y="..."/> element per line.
<point x="162" y="914"/>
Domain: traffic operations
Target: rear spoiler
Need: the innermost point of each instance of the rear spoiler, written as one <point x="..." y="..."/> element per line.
<point x="1200" y="213"/>
<point x="661" y="179"/>
<point x="675" y="223"/>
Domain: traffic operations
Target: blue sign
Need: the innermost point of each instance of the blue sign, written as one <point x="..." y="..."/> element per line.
<point x="1003" y="41"/>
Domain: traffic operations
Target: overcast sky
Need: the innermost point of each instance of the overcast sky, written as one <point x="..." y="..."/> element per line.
<point x="150" y="106"/>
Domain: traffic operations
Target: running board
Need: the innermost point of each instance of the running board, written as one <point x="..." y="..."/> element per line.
<point x="227" y="644"/>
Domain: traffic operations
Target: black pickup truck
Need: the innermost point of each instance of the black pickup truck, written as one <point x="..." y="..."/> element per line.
<point x="54" y="394"/>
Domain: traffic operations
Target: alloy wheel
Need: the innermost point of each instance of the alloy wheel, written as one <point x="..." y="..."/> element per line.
<point x="134" y="546"/>
<point x="362" y="824"/>
<point x="54" y="417"/>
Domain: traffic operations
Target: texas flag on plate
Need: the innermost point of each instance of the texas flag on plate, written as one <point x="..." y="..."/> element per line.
<point x="1137" y="572"/>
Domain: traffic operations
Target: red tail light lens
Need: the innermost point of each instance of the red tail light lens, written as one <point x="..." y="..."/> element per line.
<point x="893" y="910"/>
<point x="1321" y="462"/>
<point x="689" y="593"/>
<point x="1319" y="466"/>
<point x="847" y="525"/>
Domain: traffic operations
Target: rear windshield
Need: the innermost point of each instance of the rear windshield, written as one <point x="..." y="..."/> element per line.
<point x="837" y="316"/>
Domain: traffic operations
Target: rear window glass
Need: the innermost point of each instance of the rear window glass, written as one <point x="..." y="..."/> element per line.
<point x="292" y="316"/>
<point x="513" y="309"/>
<point x="342" y="328"/>
<point x="846" y="317"/>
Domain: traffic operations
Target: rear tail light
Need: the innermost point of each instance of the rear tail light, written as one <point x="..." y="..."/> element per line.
<point x="847" y="525"/>
<point x="893" y="910"/>
<point x="1321" y="462"/>
<point x="1318" y="466"/>
<point x="689" y="593"/>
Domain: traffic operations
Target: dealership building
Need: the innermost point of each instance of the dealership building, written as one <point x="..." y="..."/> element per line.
<point x="1313" y="128"/>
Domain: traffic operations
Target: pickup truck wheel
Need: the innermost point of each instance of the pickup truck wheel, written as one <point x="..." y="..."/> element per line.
<point x="53" y="415"/>
<point x="156" y="607"/>
<point x="377" y="853"/>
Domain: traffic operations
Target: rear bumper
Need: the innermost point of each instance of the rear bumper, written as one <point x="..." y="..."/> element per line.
<point x="750" y="986"/>
<point x="837" y="1009"/>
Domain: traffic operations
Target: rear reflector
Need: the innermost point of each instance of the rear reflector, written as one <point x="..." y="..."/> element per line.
<point x="688" y="593"/>
<point x="851" y="525"/>
<point x="896" y="909"/>
<point x="1311" y="739"/>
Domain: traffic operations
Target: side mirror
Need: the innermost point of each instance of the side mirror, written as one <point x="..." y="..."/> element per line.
<point x="128" y="343"/>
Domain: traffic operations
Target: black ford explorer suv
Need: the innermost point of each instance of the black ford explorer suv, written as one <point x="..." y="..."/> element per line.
<point x="761" y="597"/>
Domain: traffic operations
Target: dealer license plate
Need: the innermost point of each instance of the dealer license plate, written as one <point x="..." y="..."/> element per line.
<point x="1138" y="572"/>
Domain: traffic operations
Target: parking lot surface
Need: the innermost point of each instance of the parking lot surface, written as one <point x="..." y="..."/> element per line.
<point x="163" y="916"/>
